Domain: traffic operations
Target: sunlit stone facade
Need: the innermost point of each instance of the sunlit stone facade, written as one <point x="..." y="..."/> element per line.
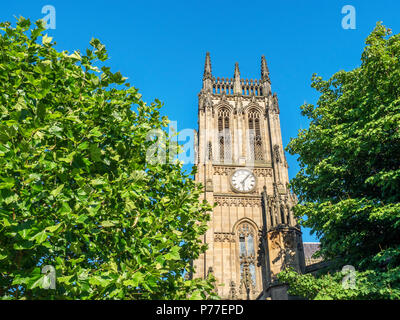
<point x="252" y="234"/>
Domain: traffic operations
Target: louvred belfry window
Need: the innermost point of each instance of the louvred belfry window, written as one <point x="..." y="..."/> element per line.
<point x="256" y="151"/>
<point x="209" y="150"/>
<point x="224" y="137"/>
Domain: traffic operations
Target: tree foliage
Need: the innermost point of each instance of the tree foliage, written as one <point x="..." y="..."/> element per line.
<point x="76" y="191"/>
<point x="349" y="178"/>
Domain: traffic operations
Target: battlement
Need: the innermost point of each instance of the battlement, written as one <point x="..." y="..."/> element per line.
<point x="236" y="85"/>
<point x="226" y="86"/>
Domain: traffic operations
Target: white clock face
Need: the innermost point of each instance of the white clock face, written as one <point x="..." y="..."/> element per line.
<point x="243" y="180"/>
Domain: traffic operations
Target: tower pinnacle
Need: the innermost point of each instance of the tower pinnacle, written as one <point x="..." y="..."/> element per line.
<point x="207" y="67"/>
<point x="266" y="82"/>
<point x="207" y="76"/>
<point x="264" y="70"/>
<point x="237" y="89"/>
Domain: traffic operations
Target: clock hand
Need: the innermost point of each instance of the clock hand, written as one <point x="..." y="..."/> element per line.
<point x="245" y="179"/>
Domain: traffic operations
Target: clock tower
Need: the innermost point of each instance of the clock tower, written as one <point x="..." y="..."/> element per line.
<point x="241" y="163"/>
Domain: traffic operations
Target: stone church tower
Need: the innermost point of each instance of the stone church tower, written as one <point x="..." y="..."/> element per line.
<point x="240" y="159"/>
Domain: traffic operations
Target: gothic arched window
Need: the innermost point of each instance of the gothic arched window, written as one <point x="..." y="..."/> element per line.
<point x="256" y="152"/>
<point x="224" y="137"/>
<point x="247" y="258"/>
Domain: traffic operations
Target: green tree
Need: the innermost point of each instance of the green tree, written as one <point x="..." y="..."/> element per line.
<point x="76" y="189"/>
<point x="349" y="178"/>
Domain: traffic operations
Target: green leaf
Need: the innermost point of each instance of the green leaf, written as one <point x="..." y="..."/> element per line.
<point x="21" y="104"/>
<point x="65" y="208"/>
<point x="76" y="56"/>
<point x="100" y="281"/>
<point x="82" y="218"/>
<point x="37" y="283"/>
<point x="39" y="237"/>
<point x="57" y="191"/>
<point x="24" y="245"/>
<point x="54" y="228"/>
<point x="135" y="280"/>
<point x="106" y="224"/>
<point x="46" y="39"/>
<point x="7" y="183"/>
<point x="196" y="296"/>
<point x="95" y="153"/>
<point x="97" y="182"/>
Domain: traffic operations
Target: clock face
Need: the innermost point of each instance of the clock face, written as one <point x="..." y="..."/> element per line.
<point x="243" y="180"/>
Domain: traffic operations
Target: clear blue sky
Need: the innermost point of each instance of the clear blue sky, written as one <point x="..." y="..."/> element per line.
<point x="161" y="45"/>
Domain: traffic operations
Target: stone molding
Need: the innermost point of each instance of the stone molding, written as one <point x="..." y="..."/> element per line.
<point x="227" y="171"/>
<point x="227" y="201"/>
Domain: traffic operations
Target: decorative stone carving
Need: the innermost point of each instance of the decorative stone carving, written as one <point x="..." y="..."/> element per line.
<point x="239" y="106"/>
<point x="223" y="171"/>
<point x="275" y="104"/>
<point x="223" y="97"/>
<point x="263" y="172"/>
<point x="246" y="283"/>
<point x="277" y="155"/>
<point x="226" y="171"/>
<point x="205" y="100"/>
<point x="275" y="242"/>
<point x="289" y="239"/>
<point x="225" y="201"/>
<point x="224" y="237"/>
<point x="232" y="291"/>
